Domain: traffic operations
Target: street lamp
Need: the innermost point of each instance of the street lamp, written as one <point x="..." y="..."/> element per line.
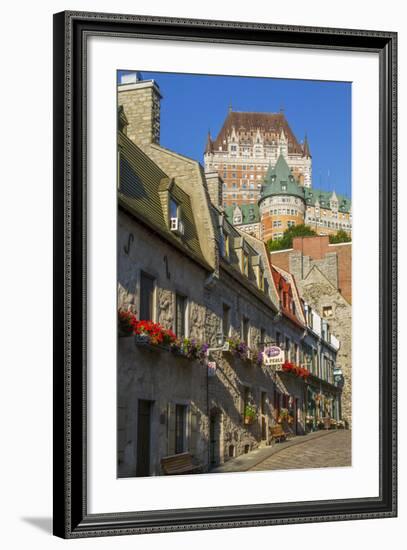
<point x="221" y="344"/>
<point x="338" y="377"/>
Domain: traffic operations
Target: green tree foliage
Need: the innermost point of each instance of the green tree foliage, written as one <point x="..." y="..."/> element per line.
<point x="287" y="240"/>
<point x="340" y="237"/>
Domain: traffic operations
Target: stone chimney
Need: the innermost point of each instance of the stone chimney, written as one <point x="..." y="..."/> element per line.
<point x="214" y="184"/>
<point x="140" y="100"/>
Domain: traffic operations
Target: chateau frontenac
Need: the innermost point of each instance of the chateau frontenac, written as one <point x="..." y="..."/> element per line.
<point x="267" y="178"/>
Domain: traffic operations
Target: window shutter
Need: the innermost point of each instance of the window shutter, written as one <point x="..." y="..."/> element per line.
<point x="171" y="428"/>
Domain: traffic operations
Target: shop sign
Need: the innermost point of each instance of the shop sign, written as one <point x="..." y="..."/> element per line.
<point x="273" y="355"/>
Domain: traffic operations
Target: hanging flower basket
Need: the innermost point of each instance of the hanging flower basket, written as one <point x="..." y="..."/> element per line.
<point x="250" y="414"/>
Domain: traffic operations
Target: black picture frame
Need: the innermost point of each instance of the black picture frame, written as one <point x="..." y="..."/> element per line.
<point x="71" y="519"/>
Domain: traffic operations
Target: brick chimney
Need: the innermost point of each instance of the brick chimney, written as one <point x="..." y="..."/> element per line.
<point x="214" y="184"/>
<point x="316" y="247"/>
<point x="140" y="100"/>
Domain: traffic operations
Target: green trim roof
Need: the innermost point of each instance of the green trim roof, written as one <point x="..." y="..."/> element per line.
<point x="324" y="198"/>
<point x="250" y="213"/>
<point x="144" y="191"/>
<point x="280" y="181"/>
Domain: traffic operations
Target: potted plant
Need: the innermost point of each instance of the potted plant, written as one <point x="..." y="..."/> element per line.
<point x="249" y="414"/>
<point x="283" y="415"/>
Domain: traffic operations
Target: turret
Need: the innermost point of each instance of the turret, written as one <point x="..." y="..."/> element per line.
<point x="282" y="201"/>
<point x="305" y="148"/>
<point x="209" y="144"/>
<point x="307" y="163"/>
<point x="283" y="144"/>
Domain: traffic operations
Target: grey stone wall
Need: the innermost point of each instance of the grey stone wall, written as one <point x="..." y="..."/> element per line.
<point x="160" y="377"/>
<point x="300" y="266"/>
<point x="165" y="380"/>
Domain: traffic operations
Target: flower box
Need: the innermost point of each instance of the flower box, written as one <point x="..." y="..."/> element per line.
<point x="127" y="322"/>
<point x="143" y="341"/>
<point x="124" y="333"/>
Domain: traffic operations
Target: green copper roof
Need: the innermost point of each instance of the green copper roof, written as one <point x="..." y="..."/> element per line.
<point x="324" y="198"/>
<point x="280" y="181"/>
<point x="250" y="213"/>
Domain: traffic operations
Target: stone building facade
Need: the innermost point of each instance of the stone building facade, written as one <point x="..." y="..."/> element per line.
<point x="323" y="273"/>
<point x="325" y="299"/>
<point x="182" y="264"/>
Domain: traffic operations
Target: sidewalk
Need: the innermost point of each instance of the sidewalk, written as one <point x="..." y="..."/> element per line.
<point x="249" y="460"/>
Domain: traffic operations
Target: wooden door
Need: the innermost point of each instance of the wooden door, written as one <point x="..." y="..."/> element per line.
<point x="143" y="437"/>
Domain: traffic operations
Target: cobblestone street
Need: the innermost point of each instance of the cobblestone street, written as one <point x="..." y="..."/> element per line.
<point x="332" y="450"/>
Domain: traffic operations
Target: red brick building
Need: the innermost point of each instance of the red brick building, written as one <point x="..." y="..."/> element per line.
<point x="333" y="260"/>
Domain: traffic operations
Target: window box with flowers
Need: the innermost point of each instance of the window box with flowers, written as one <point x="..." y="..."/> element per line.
<point x="126" y="323"/>
<point x="153" y="335"/>
<point x="300" y="372"/>
<point x="189" y="349"/>
<point x="239" y="349"/>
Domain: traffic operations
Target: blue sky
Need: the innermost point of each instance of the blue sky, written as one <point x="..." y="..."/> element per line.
<point x="194" y="104"/>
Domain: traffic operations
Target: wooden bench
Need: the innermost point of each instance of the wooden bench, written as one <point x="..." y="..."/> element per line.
<point x="179" y="464"/>
<point x="278" y="433"/>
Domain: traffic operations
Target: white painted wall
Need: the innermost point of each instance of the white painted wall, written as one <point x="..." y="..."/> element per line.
<point x="25" y="289"/>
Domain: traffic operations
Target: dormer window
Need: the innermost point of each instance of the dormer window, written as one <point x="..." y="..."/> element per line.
<point x="176" y="223"/>
<point x="174" y="208"/>
<point x="283" y="186"/>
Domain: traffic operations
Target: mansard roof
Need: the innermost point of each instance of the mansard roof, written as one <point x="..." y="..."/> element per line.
<point x="142" y="194"/>
<point x="324" y="198"/>
<point x="209" y="144"/>
<point x="305" y="147"/>
<point x="280" y="181"/>
<point x="250" y="213"/>
<point x="269" y="124"/>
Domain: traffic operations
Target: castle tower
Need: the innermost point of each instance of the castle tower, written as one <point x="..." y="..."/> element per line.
<point x="246" y="145"/>
<point x="307" y="163"/>
<point x="281" y="203"/>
